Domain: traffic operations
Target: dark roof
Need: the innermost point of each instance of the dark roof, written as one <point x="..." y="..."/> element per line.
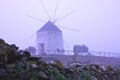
<point x="49" y="26"/>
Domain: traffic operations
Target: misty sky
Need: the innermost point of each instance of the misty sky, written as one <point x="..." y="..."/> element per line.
<point x="98" y="22"/>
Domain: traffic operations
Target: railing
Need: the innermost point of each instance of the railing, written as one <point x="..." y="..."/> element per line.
<point x="70" y="52"/>
<point x="105" y="54"/>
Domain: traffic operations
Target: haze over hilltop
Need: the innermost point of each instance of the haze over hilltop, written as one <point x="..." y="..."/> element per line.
<point x="97" y="20"/>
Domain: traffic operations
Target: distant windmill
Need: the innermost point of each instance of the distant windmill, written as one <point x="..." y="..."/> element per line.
<point x="49" y="37"/>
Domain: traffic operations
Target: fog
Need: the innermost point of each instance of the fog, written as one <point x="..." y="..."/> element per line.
<point x="98" y="22"/>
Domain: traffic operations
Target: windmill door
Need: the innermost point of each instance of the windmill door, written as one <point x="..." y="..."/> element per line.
<point x="41" y="47"/>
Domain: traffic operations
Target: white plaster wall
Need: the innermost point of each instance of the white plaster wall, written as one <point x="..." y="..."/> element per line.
<point x="41" y="38"/>
<point x="53" y="40"/>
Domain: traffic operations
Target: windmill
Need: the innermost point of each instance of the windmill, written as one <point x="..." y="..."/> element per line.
<point x="49" y="37"/>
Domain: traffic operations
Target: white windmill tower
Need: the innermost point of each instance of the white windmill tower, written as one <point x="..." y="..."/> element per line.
<point x="49" y="39"/>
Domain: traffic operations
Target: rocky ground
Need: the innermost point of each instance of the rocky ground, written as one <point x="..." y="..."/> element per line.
<point x="65" y="59"/>
<point x="20" y="65"/>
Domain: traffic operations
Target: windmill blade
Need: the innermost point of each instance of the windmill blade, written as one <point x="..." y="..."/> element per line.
<point x="45" y="9"/>
<point x="69" y="28"/>
<point x="66" y="44"/>
<point x="36" y="18"/>
<point x="32" y="35"/>
<point x="55" y="9"/>
<point x="65" y="16"/>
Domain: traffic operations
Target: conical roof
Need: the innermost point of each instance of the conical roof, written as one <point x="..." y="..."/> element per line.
<point x="49" y="26"/>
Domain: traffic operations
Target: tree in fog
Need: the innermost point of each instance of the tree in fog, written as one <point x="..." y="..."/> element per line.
<point x="80" y="49"/>
<point x="31" y="49"/>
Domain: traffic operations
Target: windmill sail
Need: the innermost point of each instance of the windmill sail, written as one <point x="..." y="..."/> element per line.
<point x="49" y="37"/>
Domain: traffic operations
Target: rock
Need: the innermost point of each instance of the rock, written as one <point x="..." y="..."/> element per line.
<point x="3" y="58"/>
<point x="103" y="68"/>
<point x="26" y="54"/>
<point x="2" y="41"/>
<point x="3" y="73"/>
<point x="3" y="53"/>
<point x="42" y="75"/>
<point x="94" y="78"/>
<point x="25" y="76"/>
<point x="33" y="59"/>
<point x="58" y="64"/>
<point x="10" y="66"/>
